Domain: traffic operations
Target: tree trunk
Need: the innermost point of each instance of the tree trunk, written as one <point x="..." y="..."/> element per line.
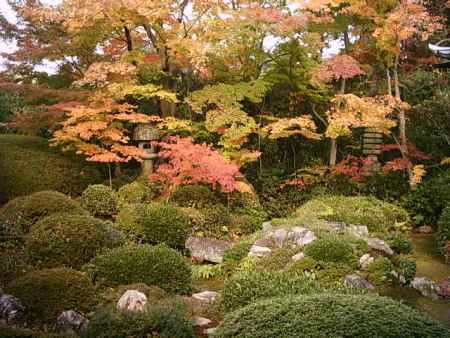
<point x="128" y="38"/>
<point x="389" y="83"/>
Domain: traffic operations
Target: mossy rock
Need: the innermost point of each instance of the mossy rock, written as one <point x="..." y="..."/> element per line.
<point x="46" y="293"/>
<point x="28" y="165"/>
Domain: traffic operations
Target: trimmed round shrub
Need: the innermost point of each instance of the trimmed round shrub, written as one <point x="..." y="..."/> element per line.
<point x="67" y="240"/>
<point x="47" y="293"/>
<point x="194" y="196"/>
<point x="152" y="265"/>
<point x="400" y="243"/>
<point x="18" y="215"/>
<point x="165" y="321"/>
<point x="133" y="193"/>
<point x="246" y="288"/>
<point x="28" y="165"/>
<point x="156" y="223"/>
<point x="99" y="200"/>
<point x="325" y="315"/>
<point x="331" y="250"/>
<point x="377" y="215"/>
<point x="13" y="264"/>
<point x="443" y="233"/>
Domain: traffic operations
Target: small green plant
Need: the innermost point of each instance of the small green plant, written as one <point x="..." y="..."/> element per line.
<point x="381" y="271"/>
<point x="99" y="200"/>
<point x="443" y="233"/>
<point x="400" y="243"/>
<point x="194" y="196"/>
<point x="207" y="271"/>
<point x="407" y="268"/>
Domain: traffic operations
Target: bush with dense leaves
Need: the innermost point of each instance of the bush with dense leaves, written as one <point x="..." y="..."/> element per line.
<point x="68" y="240"/>
<point x="28" y="165"/>
<point x="377" y="215"/>
<point x="164" y="321"/>
<point x="47" y="293"/>
<point x="133" y="193"/>
<point x="407" y="268"/>
<point x="400" y="243"/>
<point x="381" y="271"/>
<point x="152" y="265"/>
<point x="18" y="215"/>
<point x="99" y="200"/>
<point x="426" y="202"/>
<point x="331" y="250"/>
<point x="194" y="196"/>
<point x="246" y="288"/>
<point x="325" y="315"/>
<point x="443" y="233"/>
<point x="216" y="220"/>
<point x="156" y="223"/>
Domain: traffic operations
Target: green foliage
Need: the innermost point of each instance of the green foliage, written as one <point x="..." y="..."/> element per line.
<point x="326" y="315"/>
<point x="247" y="221"/>
<point x="306" y="264"/>
<point x="67" y="240"/>
<point x="426" y="202"/>
<point x="13" y="264"/>
<point x="216" y="220"/>
<point x="99" y="200"/>
<point x="153" y="265"/>
<point x="18" y="215"/>
<point x="333" y="274"/>
<point x="381" y="271"/>
<point x="207" y="271"/>
<point x="162" y="321"/>
<point x="277" y="261"/>
<point x="377" y="215"/>
<point x="407" y="268"/>
<point x="400" y="243"/>
<point x="47" y="293"/>
<point x="246" y="288"/>
<point x="9" y="332"/>
<point x="443" y="233"/>
<point x="237" y="252"/>
<point x="331" y="250"/>
<point x="156" y="223"/>
<point x="9" y="104"/>
<point x="28" y="165"/>
<point x="135" y="192"/>
<point x="194" y="196"/>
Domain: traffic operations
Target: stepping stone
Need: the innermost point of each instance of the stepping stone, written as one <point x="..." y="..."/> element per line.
<point x="206" y="296"/>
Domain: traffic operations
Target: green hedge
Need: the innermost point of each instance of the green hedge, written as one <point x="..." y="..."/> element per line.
<point x="156" y="223"/>
<point x="47" y="293"/>
<point x="18" y="215"/>
<point x="329" y="316"/>
<point x="67" y="240"/>
<point x="28" y="165"/>
<point x="152" y="265"/>
<point x="377" y="215"/>
<point x="134" y="192"/>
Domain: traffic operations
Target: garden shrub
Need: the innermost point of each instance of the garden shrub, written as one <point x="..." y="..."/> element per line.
<point x="246" y="288"/>
<point x="325" y="315"/>
<point x="132" y="193"/>
<point x="47" y="293"/>
<point x="67" y="240"/>
<point x="18" y="215"/>
<point x="426" y="202"/>
<point x="153" y="265"/>
<point x="10" y="332"/>
<point x="333" y="274"/>
<point x="331" y="250"/>
<point x="443" y="233"/>
<point x="306" y="264"/>
<point x="247" y="221"/>
<point x="400" y="243"/>
<point x="216" y="220"/>
<point x="9" y="104"/>
<point x="237" y="252"/>
<point x="28" y="165"/>
<point x="156" y="223"/>
<point x="162" y="321"/>
<point x="277" y="261"/>
<point x="13" y="264"/>
<point x="194" y="196"/>
<point x="99" y="200"/>
<point x="377" y="215"/>
<point x="407" y="268"/>
<point x="381" y="271"/>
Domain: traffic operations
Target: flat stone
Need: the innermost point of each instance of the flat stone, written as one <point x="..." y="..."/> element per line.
<point x="424" y="229"/>
<point x="337" y="227"/>
<point x="365" y="260"/>
<point x="279" y="236"/>
<point x="132" y="301"/>
<point x="11" y="310"/>
<point x="303" y="236"/>
<point x="201" y="321"/>
<point x="207" y="249"/>
<point x="380" y="245"/>
<point x="259" y="251"/>
<point x="360" y="231"/>
<point x="206" y="296"/>
<point x="210" y="331"/>
<point x="298" y="256"/>
<point x="426" y="287"/>
<point x="357" y="281"/>
<point x="267" y="226"/>
<point x="71" y="323"/>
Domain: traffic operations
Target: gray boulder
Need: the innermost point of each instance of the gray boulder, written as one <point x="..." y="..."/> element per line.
<point x="207" y="249"/>
<point x="71" y="323"/>
<point x="206" y="296"/>
<point x="380" y="245"/>
<point x="360" y="231"/>
<point x="201" y="321"/>
<point x="357" y="281"/>
<point x="365" y="260"/>
<point x="11" y="310"/>
<point x="259" y="251"/>
<point x="337" y="227"/>
<point x="426" y="287"/>
<point x="132" y="301"/>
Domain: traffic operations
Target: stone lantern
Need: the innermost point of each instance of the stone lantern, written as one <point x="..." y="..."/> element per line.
<point x="144" y="134"/>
